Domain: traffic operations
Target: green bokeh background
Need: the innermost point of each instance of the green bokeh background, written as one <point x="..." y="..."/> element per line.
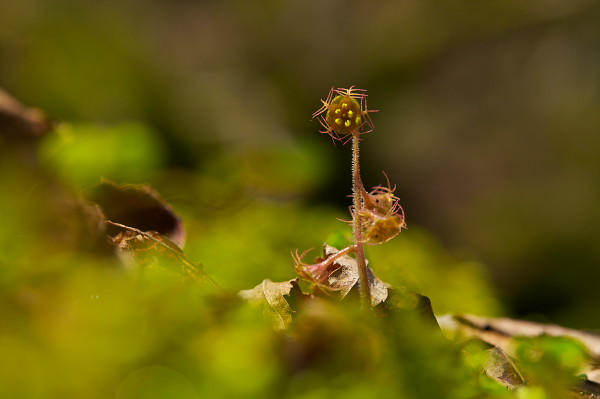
<point x="488" y="122"/>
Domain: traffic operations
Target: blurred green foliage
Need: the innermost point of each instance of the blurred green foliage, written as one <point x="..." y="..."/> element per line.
<point x="489" y="110"/>
<point x="81" y="154"/>
<point x="455" y="285"/>
<point x="488" y="122"/>
<point x="79" y="322"/>
<point x="552" y="362"/>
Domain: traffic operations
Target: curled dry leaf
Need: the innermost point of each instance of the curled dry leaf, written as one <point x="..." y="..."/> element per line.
<point x="18" y="122"/>
<point x="140" y="207"/>
<point x="346" y="277"/>
<point x="138" y="248"/>
<point x="271" y="296"/>
<point x="20" y="130"/>
<point x="512" y="327"/>
<point x="502" y="335"/>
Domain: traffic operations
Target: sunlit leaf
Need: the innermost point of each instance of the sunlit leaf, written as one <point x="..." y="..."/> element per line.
<point x="271" y="296"/>
<point x="501" y="368"/>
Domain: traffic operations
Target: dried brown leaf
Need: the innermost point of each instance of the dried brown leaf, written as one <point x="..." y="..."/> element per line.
<point x="346" y="277"/>
<point x="502" y="369"/>
<point x="141" y="207"/>
<point x="18" y="122"/>
<point x="502" y="334"/>
<point x="138" y="248"/>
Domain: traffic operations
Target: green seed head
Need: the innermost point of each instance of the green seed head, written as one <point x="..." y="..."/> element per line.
<point x="343" y="115"/>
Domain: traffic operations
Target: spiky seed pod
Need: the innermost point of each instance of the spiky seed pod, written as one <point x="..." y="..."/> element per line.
<point x="382" y="216"/>
<point x="382" y="200"/>
<point x="379" y="229"/>
<point x="344" y="113"/>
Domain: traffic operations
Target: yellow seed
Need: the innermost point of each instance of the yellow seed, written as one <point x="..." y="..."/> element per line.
<point x="348" y="123"/>
<point x="338" y="121"/>
<point x="345" y="105"/>
<point x="338" y="111"/>
<point x="357" y="120"/>
<point x="350" y="113"/>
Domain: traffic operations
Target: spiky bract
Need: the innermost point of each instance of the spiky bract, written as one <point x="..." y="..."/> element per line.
<point x="381" y="214"/>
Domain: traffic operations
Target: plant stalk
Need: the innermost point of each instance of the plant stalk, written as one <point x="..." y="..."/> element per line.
<point x="358" y="201"/>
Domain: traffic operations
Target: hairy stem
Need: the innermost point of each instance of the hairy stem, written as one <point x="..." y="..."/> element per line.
<point x="358" y="200"/>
